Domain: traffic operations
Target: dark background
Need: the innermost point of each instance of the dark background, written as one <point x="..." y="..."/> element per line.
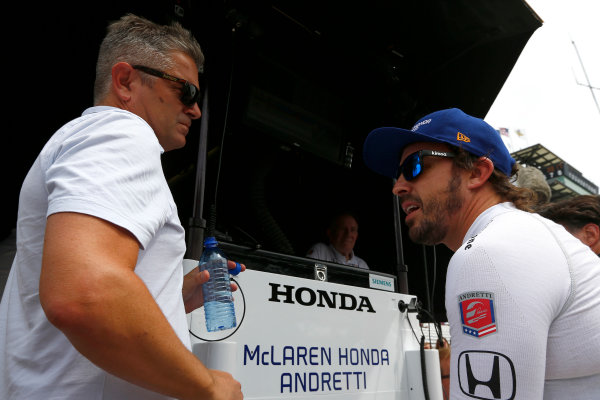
<point x="292" y="85"/>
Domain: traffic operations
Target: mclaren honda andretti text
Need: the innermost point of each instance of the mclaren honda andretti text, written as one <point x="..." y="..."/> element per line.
<point x="331" y="370"/>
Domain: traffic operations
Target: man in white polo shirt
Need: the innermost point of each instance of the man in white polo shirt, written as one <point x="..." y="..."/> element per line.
<point x="94" y="306"/>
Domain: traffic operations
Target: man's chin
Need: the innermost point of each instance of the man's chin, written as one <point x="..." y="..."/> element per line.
<point x="176" y="143"/>
<point x="426" y="237"/>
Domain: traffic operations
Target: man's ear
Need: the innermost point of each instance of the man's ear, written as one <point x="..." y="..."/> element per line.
<point x="122" y="76"/>
<point x="480" y="173"/>
<point x="591" y="234"/>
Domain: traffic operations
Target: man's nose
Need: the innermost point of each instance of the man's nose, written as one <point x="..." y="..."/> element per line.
<point x="401" y="186"/>
<point x="194" y="111"/>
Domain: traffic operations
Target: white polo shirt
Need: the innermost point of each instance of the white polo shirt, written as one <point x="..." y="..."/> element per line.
<point x="322" y="251"/>
<point x="106" y="163"/>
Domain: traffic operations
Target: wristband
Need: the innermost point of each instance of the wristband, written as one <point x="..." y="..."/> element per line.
<point x="236" y="270"/>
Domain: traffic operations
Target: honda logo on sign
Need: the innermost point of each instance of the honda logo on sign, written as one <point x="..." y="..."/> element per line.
<point x="486" y="375"/>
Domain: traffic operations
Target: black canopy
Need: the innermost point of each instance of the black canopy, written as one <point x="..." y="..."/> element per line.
<point x="316" y="75"/>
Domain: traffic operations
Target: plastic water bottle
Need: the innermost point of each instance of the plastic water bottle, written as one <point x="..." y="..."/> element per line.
<point x="218" y="301"/>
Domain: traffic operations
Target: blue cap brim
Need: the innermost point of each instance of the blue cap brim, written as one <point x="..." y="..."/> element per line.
<point x="383" y="147"/>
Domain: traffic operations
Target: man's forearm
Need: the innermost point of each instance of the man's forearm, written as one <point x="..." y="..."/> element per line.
<point x="88" y="290"/>
<point x="127" y="335"/>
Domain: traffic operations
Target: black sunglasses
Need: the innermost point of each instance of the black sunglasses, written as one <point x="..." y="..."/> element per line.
<point x="189" y="91"/>
<point x="413" y="164"/>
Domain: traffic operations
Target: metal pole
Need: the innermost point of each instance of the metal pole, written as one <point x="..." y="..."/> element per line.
<point x="401" y="268"/>
<point x="589" y="85"/>
<point x="197" y="225"/>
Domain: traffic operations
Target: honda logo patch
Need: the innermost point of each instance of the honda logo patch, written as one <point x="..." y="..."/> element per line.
<point x="486" y="375"/>
<point x="477" y="313"/>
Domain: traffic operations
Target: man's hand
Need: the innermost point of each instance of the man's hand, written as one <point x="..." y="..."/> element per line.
<point x="226" y="388"/>
<point x="192" y="286"/>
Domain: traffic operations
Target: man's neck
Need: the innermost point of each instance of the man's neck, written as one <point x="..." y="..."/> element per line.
<point x="474" y="205"/>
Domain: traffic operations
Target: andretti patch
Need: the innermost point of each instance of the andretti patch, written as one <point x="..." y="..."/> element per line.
<point x="477" y="313"/>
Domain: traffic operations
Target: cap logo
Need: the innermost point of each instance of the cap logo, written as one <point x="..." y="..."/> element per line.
<point x="462" y="138"/>
<point x="424" y="122"/>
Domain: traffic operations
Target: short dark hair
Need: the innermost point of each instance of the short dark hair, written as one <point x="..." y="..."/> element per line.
<point x="523" y="198"/>
<point x="574" y="212"/>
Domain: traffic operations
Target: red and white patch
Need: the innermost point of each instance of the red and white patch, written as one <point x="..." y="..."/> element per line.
<point x="477" y="313"/>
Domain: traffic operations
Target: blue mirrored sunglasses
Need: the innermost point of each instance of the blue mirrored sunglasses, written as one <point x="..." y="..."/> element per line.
<point x="413" y="164"/>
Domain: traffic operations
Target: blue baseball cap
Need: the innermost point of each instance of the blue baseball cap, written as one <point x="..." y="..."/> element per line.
<point x="383" y="146"/>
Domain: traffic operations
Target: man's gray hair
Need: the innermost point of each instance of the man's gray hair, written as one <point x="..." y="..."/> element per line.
<point x="136" y="40"/>
<point x="534" y="179"/>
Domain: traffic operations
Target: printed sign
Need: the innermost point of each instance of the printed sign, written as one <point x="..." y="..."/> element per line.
<point x="381" y="282"/>
<point x="300" y="338"/>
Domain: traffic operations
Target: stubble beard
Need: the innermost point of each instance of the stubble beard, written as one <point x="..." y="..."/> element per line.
<point x="434" y="224"/>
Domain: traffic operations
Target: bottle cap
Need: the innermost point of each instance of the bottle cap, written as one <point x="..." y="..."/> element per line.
<point x="210" y="241"/>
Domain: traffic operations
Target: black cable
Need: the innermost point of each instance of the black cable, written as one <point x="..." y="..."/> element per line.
<point x="430" y="292"/>
<point x="436" y="325"/>
<point x="426" y="268"/>
<point x="422" y="355"/>
<point x="438" y="330"/>
<point x="434" y="278"/>
<point x="412" y="329"/>
<point x="211" y="220"/>
<point x="421" y="326"/>
<point x="212" y="214"/>
<point x="226" y="118"/>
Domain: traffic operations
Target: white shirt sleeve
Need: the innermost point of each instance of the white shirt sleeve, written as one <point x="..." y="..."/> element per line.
<point x="111" y="170"/>
<point x="503" y="290"/>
